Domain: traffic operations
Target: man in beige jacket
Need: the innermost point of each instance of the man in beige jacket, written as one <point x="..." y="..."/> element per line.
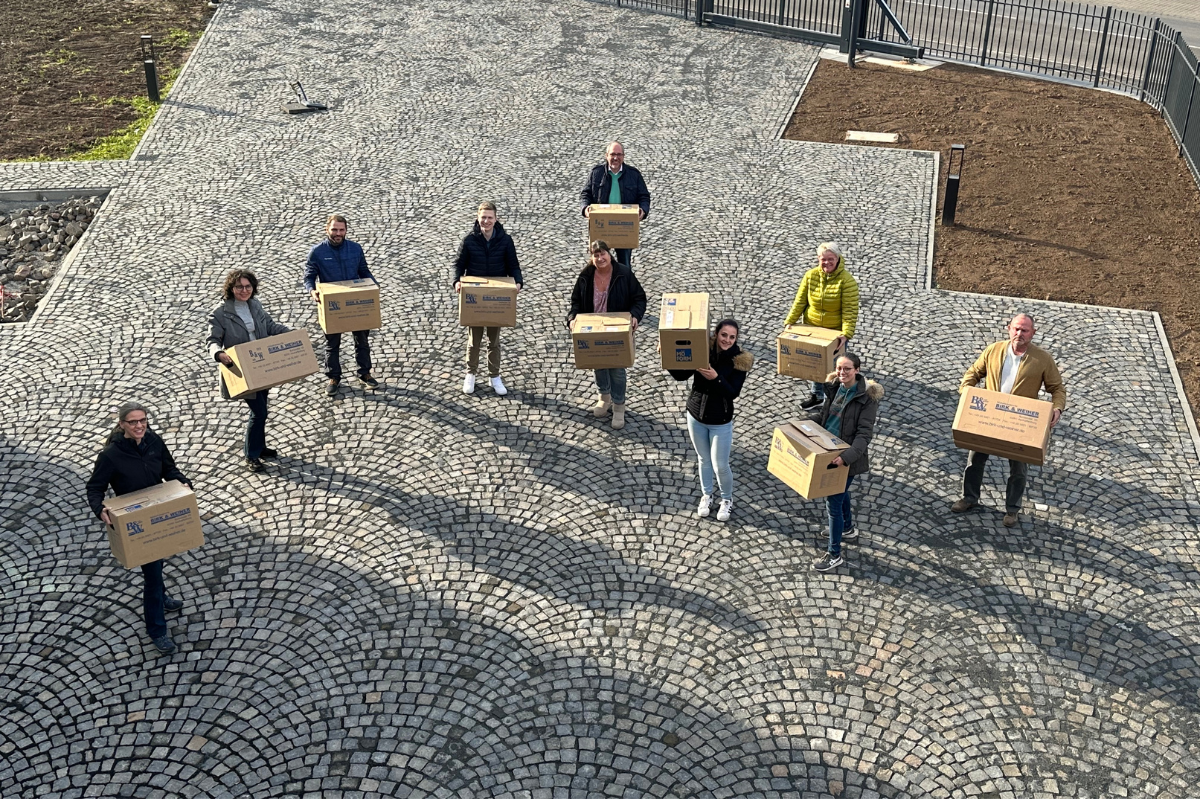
<point x="1014" y="367"/>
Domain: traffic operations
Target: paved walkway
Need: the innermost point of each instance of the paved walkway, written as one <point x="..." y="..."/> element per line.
<point x="450" y="595"/>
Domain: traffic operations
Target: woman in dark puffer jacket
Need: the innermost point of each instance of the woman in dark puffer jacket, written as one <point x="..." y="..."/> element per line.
<point x="710" y="413"/>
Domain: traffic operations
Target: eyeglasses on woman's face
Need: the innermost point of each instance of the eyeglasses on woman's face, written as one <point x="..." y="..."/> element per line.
<point x="137" y="423"/>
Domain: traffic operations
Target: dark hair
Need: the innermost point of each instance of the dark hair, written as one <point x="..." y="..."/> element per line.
<point x="236" y="275"/>
<point x="125" y="410"/>
<point x="852" y="358"/>
<point x="597" y="246"/>
<point x="737" y="328"/>
<point x="336" y="218"/>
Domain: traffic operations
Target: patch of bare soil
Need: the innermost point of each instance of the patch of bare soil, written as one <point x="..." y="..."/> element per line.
<point x="63" y="62"/>
<point x="1067" y="193"/>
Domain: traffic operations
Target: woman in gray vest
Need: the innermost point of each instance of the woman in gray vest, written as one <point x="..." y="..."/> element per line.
<point x="241" y="319"/>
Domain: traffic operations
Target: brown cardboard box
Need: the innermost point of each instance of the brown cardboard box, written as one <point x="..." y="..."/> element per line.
<point x="268" y="362"/>
<point x="617" y="225"/>
<point x="1017" y="428"/>
<point x="804" y="462"/>
<point x="683" y="331"/>
<point x="602" y="341"/>
<point x="487" y="302"/>
<point x="153" y="523"/>
<point x="349" y="306"/>
<point x="808" y="352"/>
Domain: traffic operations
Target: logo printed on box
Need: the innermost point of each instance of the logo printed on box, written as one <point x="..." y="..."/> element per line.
<point x="783" y="348"/>
<point x="1023" y="412"/>
<point x="978" y="403"/>
<point x="366" y="301"/>
<point x="582" y="344"/>
<point x="683" y="354"/>
<point x="333" y="305"/>
<point x="134" y="527"/>
<point x="494" y="299"/>
<point x="183" y="512"/>
<point x="469" y="299"/>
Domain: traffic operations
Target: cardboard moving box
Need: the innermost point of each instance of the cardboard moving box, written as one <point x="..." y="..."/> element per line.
<point x="487" y="302"/>
<point x="808" y="352"/>
<point x="683" y="331"/>
<point x="268" y="362"/>
<point x="349" y="306"/>
<point x="1017" y="428"/>
<point x="602" y="341"/>
<point x="801" y="456"/>
<point x="617" y="225"/>
<point x="153" y="523"/>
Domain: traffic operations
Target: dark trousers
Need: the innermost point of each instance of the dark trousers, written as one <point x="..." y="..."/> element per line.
<point x="333" y="354"/>
<point x="625" y="257"/>
<point x="973" y="481"/>
<point x="154" y="594"/>
<point x="256" y="428"/>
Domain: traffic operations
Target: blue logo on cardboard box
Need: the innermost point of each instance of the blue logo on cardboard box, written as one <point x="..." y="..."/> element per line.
<point x="488" y="298"/>
<point x="978" y="403"/>
<point x="683" y="354"/>
<point x="366" y="301"/>
<point x="582" y="345"/>
<point x="134" y="527"/>
<point x="785" y="350"/>
<point x="469" y="299"/>
<point x="672" y="301"/>
<point x="183" y="512"/>
<point x="1020" y="412"/>
<point x="333" y="305"/>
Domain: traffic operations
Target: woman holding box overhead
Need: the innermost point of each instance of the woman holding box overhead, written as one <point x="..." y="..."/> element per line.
<point x="607" y="287"/>
<point x="849" y="413"/>
<point x="710" y="413"/>
<point x="827" y="298"/>
<point x="135" y="458"/>
<point x="486" y="252"/>
<point x="240" y="319"/>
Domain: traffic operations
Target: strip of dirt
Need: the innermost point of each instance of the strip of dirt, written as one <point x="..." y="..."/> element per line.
<point x="1067" y="193"/>
<point x="64" y="63"/>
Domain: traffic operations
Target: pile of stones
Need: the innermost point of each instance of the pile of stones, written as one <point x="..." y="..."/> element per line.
<point x="33" y="243"/>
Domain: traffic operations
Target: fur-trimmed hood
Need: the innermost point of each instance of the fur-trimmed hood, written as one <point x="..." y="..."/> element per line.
<point x="874" y="390"/>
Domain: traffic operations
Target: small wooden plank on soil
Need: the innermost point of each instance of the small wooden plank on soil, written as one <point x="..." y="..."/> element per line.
<point x="872" y="136"/>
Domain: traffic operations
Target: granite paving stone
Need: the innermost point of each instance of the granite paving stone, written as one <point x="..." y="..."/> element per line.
<point x="430" y="593"/>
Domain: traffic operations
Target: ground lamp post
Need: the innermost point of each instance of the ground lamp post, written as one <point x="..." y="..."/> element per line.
<point x="954" y="171"/>
<point x="151" y="71"/>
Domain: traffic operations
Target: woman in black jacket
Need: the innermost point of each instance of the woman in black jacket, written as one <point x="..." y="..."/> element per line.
<point x="849" y="413"/>
<point x="136" y="458"/>
<point x="241" y="319"/>
<point x="710" y="413"/>
<point x="486" y="252"/>
<point x="607" y="286"/>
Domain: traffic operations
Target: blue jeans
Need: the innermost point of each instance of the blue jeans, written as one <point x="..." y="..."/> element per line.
<point x="154" y="594"/>
<point x="837" y="510"/>
<point x="333" y="354"/>
<point x="612" y="381"/>
<point x="713" y="443"/>
<point x="256" y="428"/>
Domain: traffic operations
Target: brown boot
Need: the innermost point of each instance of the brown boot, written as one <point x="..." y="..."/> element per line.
<point x="962" y="505"/>
<point x="603" y="404"/>
<point x="618" y="420"/>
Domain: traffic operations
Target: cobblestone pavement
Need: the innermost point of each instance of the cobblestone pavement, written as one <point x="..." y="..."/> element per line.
<point x="435" y="594"/>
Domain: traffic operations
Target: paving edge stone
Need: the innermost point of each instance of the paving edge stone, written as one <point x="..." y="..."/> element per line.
<point x="1180" y="391"/>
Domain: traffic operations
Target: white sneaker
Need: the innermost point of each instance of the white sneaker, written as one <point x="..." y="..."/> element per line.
<point x="705" y="506"/>
<point x="469" y="383"/>
<point x="723" y="511"/>
<point x="498" y="386"/>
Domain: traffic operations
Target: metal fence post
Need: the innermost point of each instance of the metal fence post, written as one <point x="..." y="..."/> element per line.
<point x="1170" y="69"/>
<point x="699" y="12"/>
<point x="1149" y="61"/>
<point x="1103" y="42"/>
<point x="1188" y="116"/>
<point x="987" y="32"/>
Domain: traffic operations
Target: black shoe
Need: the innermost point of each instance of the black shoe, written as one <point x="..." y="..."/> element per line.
<point x="255" y="465"/>
<point x="369" y="381"/>
<point x="828" y="563"/>
<point x="812" y="400"/>
<point x="332" y="387"/>
<point x="268" y="452"/>
<point x="850" y="535"/>
<point x="164" y="644"/>
<point x="171" y="604"/>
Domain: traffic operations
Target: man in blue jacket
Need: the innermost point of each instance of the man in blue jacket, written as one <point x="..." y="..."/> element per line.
<point x="616" y="182"/>
<point x="339" y="259"/>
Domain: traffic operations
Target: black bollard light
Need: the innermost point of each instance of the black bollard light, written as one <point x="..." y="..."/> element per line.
<point x="952" y="179"/>
<point x="151" y="70"/>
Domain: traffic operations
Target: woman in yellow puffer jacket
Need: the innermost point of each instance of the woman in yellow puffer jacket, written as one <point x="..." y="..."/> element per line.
<point x="827" y="298"/>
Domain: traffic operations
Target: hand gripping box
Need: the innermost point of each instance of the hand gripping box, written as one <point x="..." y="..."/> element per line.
<point x="1007" y="425"/>
<point x="802" y="453"/>
<point x="683" y="331"/>
<point x="349" y="306"/>
<point x="487" y="302"/>
<point x="268" y="362"/>
<point x="153" y="523"/>
<point x="808" y="352"/>
<point x="602" y="341"/>
<point x="617" y="225"/>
